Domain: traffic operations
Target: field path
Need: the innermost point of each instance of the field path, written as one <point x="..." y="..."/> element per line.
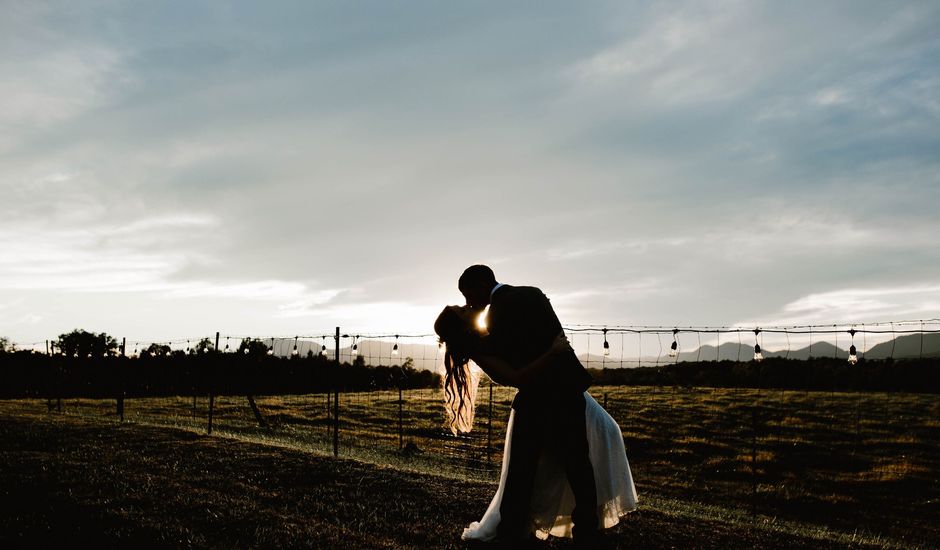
<point x="74" y="480"/>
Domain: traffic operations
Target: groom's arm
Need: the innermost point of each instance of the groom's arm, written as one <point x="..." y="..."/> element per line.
<point x="500" y="371"/>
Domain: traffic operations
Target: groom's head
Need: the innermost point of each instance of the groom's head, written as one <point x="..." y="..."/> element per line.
<point x="476" y="284"/>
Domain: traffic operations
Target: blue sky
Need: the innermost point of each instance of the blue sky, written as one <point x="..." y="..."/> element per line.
<point x="171" y="169"/>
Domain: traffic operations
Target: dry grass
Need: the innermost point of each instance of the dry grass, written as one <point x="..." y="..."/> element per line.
<point x="829" y="461"/>
<point x="81" y="481"/>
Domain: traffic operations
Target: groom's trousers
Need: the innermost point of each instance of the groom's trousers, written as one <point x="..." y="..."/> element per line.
<point x="555" y="424"/>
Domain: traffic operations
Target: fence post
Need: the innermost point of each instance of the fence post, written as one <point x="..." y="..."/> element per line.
<point x="211" y="406"/>
<point x="120" y="400"/>
<point x="211" y="388"/>
<point x="336" y="400"/>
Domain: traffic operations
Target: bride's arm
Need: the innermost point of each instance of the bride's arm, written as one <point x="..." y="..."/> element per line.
<point x="501" y="372"/>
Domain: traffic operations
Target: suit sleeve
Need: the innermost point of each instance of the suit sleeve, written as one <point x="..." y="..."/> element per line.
<point x="550" y="326"/>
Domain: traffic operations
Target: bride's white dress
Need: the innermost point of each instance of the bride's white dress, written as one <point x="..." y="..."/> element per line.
<point x="552" y="498"/>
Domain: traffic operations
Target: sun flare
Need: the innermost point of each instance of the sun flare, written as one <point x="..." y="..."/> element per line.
<point x="481" y="319"/>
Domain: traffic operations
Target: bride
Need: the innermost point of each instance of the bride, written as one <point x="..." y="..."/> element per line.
<point x="552" y="499"/>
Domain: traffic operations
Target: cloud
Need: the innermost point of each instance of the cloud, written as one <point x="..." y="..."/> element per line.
<point x="860" y="305"/>
<point x="269" y="167"/>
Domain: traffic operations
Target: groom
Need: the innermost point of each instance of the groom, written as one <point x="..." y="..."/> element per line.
<point x="549" y="411"/>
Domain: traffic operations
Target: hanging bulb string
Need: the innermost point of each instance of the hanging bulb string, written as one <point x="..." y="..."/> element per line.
<point x="767" y="328"/>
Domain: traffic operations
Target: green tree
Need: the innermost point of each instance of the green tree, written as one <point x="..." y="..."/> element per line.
<point x="156" y="350"/>
<point x="204" y="346"/>
<point x="253" y="347"/>
<point x="80" y="343"/>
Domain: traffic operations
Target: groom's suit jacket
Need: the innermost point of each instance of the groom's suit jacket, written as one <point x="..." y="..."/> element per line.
<point x="522" y="325"/>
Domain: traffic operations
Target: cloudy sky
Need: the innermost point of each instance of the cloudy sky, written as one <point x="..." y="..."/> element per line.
<point x="172" y="169"/>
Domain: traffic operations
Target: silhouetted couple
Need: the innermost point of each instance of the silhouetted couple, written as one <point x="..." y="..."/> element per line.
<point x="565" y="469"/>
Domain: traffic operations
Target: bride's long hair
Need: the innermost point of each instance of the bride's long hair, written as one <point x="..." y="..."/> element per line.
<point x="460" y="380"/>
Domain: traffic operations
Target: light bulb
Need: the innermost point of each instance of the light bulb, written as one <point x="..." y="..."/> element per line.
<point x="323" y="349"/>
<point x="246" y="351"/>
<point x="355" y="349"/>
<point x="674" y="349"/>
<point x="606" y="348"/>
<point x="853" y="355"/>
<point x="271" y="351"/>
<point x="294" y="351"/>
<point x="758" y="356"/>
<point x="395" y="347"/>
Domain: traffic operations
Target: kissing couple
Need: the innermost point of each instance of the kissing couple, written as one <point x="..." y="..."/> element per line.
<point x="565" y="471"/>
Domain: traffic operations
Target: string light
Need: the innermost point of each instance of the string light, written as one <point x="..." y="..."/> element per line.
<point x="758" y="356"/>
<point x="227" y="349"/>
<point x="395" y="347"/>
<point x="294" y="351"/>
<point x="674" y="348"/>
<point x="355" y="347"/>
<point x="606" y="345"/>
<point x="271" y="349"/>
<point x="853" y="353"/>
<point x="323" y="345"/>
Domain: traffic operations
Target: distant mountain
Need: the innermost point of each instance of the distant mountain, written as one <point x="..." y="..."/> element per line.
<point x="908" y="345"/>
<point x="733" y="352"/>
<point x="374" y="352"/>
<point x="430" y="357"/>
<point x="904" y="347"/>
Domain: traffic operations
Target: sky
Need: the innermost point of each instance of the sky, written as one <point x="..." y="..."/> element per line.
<point x="172" y="169"/>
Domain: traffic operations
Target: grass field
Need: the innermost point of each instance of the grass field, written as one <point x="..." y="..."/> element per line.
<point x="811" y="466"/>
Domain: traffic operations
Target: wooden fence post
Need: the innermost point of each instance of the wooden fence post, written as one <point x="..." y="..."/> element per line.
<point x="254" y="409"/>
<point x="336" y="400"/>
<point x="120" y="400"/>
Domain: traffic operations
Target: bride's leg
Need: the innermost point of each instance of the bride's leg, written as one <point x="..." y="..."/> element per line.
<point x="580" y="472"/>
<point x="515" y="521"/>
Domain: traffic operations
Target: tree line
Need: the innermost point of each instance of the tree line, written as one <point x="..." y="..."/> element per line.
<point x="85" y="364"/>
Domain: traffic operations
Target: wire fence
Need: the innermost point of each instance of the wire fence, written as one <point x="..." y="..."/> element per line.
<point x="860" y="461"/>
